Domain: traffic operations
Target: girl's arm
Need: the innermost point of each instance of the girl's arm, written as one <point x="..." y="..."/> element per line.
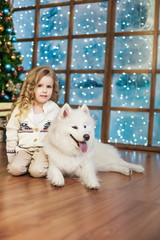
<point x="12" y="135"/>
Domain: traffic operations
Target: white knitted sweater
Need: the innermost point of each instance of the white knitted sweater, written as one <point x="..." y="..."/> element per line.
<point x="24" y="134"/>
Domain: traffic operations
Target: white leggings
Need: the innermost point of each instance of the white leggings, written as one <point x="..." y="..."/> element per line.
<point x="34" y="162"/>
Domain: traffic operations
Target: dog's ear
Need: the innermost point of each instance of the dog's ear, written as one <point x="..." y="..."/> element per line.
<point x="85" y="109"/>
<point x="65" y="110"/>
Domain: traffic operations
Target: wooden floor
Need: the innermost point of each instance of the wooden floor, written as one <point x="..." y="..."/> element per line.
<point x="124" y="208"/>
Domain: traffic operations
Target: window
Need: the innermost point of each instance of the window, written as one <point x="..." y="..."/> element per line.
<point x="105" y="54"/>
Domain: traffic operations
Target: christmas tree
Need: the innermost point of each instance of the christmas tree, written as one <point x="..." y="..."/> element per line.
<point x="10" y="60"/>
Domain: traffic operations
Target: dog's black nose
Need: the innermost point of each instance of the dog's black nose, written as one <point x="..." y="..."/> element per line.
<point x="86" y="137"/>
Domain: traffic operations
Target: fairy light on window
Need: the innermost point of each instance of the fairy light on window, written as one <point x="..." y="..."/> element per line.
<point x="126" y="12"/>
<point x="85" y="15"/>
<point x="92" y="53"/>
<point x="85" y="86"/>
<point x="131" y="90"/>
<point x="126" y="129"/>
<point x="20" y="23"/>
<point x="133" y="46"/>
<point x="54" y="21"/>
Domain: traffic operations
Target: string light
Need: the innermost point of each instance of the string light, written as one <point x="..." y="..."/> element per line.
<point x="126" y="130"/>
<point x="90" y="18"/>
<point x="133" y="15"/>
<point x="131" y="90"/>
<point x="135" y="59"/>
<point x="21" y="21"/>
<point x="86" y="88"/>
<point x="23" y="3"/>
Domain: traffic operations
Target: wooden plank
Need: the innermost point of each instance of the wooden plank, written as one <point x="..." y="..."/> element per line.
<point x="4" y="113"/>
<point x="136" y="33"/>
<point x="5" y="109"/>
<point x="5" y="106"/>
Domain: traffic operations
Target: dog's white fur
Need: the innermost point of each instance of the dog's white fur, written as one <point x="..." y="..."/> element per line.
<point x="73" y="150"/>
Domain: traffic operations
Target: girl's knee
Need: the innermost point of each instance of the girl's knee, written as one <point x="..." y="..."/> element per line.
<point x="16" y="169"/>
<point x="39" y="165"/>
<point x="37" y="172"/>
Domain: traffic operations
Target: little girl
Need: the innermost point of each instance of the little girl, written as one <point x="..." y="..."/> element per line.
<point x="31" y="116"/>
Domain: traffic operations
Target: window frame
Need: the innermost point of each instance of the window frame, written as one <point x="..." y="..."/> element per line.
<point x="108" y="70"/>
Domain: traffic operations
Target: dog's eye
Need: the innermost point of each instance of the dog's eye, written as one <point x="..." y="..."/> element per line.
<point x="84" y="126"/>
<point x="75" y="127"/>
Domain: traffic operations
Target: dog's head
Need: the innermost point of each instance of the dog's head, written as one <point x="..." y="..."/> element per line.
<point x="73" y="130"/>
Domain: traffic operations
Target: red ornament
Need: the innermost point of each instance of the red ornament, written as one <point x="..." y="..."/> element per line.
<point x="2" y="94"/>
<point x="13" y="98"/>
<point x="20" y="69"/>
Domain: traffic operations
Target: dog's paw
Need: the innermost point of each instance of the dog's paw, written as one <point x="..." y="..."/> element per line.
<point x="55" y="177"/>
<point x="57" y="184"/>
<point x="57" y="181"/>
<point x="92" y="185"/>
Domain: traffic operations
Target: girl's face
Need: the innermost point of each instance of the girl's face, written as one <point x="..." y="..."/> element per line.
<point x="43" y="90"/>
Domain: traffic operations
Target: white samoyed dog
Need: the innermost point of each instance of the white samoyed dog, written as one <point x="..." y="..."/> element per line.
<point x="73" y="150"/>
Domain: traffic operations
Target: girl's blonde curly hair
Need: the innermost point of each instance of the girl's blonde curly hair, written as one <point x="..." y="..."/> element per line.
<point x="26" y="96"/>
